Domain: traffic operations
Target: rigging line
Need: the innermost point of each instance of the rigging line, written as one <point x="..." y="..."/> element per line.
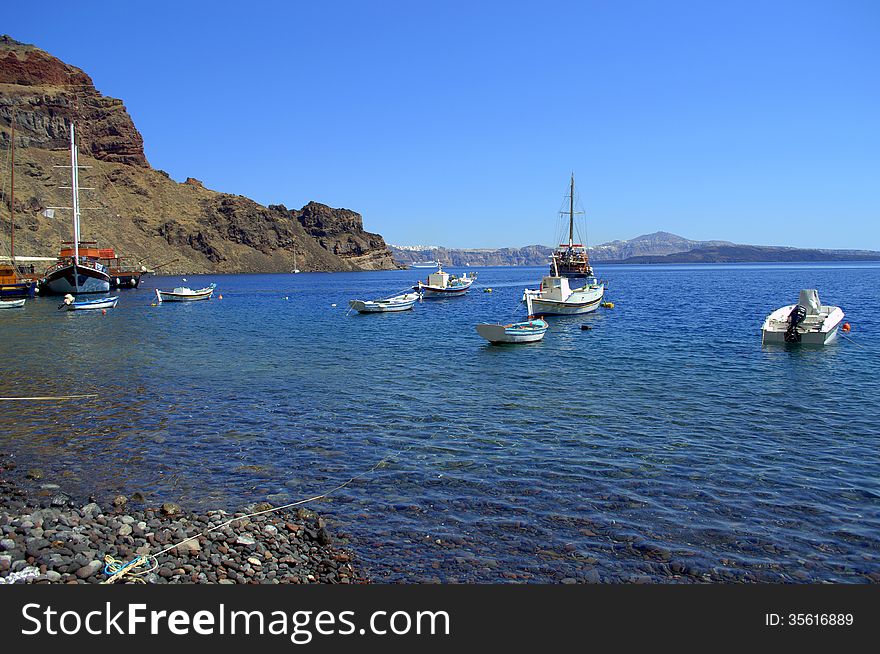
<point x="852" y="340"/>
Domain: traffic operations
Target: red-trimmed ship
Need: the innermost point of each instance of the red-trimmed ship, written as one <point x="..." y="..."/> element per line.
<point x="571" y="259"/>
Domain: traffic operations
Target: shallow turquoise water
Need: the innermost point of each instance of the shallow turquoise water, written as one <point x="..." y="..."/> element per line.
<point x="666" y="439"/>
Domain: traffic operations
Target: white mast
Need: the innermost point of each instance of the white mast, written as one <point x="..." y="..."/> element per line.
<point x="74" y="191"/>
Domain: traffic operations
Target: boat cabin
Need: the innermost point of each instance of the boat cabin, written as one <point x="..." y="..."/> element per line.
<point x="555" y="288"/>
<point x="440" y="279"/>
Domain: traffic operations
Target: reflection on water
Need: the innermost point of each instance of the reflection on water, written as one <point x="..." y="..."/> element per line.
<point x="664" y="441"/>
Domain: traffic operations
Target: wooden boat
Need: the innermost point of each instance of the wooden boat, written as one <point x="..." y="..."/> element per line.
<point x="77" y="272"/>
<point x="442" y="284"/>
<point x="403" y="302"/>
<point x="572" y="259"/>
<point x="185" y="294"/>
<point x="808" y="322"/>
<point x="71" y="304"/>
<point x="12" y="304"/>
<point x="528" y="331"/>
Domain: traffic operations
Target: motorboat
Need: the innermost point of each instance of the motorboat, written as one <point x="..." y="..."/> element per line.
<point x="403" y="302"/>
<point x="442" y="284"/>
<point x="12" y="304"/>
<point x="186" y="294"/>
<point x="808" y="322"/>
<point x="556" y="297"/>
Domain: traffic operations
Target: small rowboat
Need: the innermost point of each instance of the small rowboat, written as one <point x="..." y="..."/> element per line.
<point x="70" y="304"/>
<point x="519" y="332"/>
<point x="12" y="304"/>
<point x="528" y="331"/>
<point x="403" y="302"/>
<point x="184" y="294"/>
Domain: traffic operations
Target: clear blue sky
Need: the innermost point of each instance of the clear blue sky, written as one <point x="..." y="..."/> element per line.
<point x="458" y="123"/>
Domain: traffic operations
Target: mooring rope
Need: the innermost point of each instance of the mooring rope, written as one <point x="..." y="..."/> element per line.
<point x="118" y="569"/>
<point x="48" y="397"/>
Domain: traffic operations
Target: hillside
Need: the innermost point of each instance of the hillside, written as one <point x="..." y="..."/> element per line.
<point x="659" y="247"/>
<point x="142" y="212"/>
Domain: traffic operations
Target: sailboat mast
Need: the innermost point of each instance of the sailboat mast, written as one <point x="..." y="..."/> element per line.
<point x="12" y="195"/>
<point x="74" y="190"/>
<point x="571" y="214"/>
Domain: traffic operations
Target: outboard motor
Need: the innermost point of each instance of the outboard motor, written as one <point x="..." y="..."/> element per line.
<point x="795" y="318"/>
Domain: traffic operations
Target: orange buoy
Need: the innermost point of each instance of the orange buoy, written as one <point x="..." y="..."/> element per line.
<point x="846" y="327"/>
<point x="219" y="297"/>
<point x="103" y="312"/>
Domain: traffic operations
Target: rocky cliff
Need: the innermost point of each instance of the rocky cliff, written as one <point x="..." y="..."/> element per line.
<point x="139" y="211"/>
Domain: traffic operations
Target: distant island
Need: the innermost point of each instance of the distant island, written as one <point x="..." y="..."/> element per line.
<point x="656" y="248"/>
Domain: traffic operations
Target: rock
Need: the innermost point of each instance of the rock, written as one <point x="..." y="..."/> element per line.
<point x="34" y="473"/>
<point x="89" y="569"/>
<point x="171" y="509"/>
<point x="137" y="497"/>
<point x="5" y="562"/>
<point x="189" y="546"/>
<point x="124" y="530"/>
<point x="255" y="561"/>
<point x="272" y="530"/>
<point x="245" y="540"/>
<point x="7" y="544"/>
<point x="120" y="501"/>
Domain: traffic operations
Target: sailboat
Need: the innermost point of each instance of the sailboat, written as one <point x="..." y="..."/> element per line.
<point x="572" y="259"/>
<point x="12" y="283"/>
<point x="555" y="296"/>
<point x="76" y="272"/>
<point x="295" y="269"/>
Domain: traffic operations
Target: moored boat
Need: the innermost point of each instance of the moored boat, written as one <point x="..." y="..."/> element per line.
<point x="528" y="331"/>
<point x="425" y="264"/>
<point x="186" y="294"/>
<point x="76" y="272"/>
<point x="571" y="259"/>
<point x="555" y="297"/>
<point x="808" y="322"/>
<point x="12" y="304"/>
<point x="442" y="284"/>
<point x="403" y="302"/>
<point x="72" y="304"/>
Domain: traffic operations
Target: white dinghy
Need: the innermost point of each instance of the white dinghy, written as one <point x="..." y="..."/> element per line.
<point x="12" y="304"/>
<point x="808" y="322"/>
<point x="529" y="331"/>
<point x="403" y="302"/>
<point x="185" y="294"/>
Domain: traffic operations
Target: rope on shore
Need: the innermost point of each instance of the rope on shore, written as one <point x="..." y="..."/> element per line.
<point x="48" y="397"/>
<point x="118" y="569"/>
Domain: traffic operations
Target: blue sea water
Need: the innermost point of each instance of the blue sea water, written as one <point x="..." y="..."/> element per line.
<point x="663" y="444"/>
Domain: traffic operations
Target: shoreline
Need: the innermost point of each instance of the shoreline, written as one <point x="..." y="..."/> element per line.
<point x="48" y="537"/>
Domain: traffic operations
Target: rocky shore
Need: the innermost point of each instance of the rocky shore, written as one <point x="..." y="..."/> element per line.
<point x="48" y="537"/>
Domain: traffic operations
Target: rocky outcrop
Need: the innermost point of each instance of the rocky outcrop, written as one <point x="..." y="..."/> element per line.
<point x="142" y="212"/>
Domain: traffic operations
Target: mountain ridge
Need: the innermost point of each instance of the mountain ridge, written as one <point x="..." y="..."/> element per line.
<point x="138" y="210"/>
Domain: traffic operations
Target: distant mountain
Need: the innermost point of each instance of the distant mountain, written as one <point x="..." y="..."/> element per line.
<point x="659" y="247"/>
<point x="756" y="254"/>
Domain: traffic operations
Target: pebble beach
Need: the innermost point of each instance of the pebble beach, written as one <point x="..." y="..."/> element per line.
<point x="47" y="536"/>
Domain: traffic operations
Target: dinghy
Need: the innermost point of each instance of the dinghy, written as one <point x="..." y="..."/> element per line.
<point x="185" y="294"/>
<point x="403" y="302"/>
<point x="808" y="322"/>
<point x="71" y="304"/>
<point x="12" y="304"/>
<point x="529" y="331"/>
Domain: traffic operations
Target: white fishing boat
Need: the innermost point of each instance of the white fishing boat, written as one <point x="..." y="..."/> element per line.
<point x="557" y="298"/>
<point x="808" y="322"/>
<point x="186" y="294"/>
<point x="12" y="304"/>
<point x="403" y="302"/>
<point x="528" y="331"/>
<point x="442" y="284"/>
<point x="72" y="304"/>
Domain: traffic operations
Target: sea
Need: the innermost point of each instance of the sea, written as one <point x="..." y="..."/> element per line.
<point x="664" y="444"/>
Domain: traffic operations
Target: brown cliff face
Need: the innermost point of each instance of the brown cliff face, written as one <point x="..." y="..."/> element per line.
<point x="140" y="211"/>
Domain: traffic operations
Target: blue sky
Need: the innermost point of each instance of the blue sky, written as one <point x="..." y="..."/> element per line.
<point x="458" y="123"/>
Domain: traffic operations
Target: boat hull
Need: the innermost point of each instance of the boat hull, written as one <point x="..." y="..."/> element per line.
<point x="94" y="305"/>
<point x="170" y="296"/>
<point x="12" y="304"/>
<point x="381" y="307"/>
<point x="76" y="280"/>
<point x="125" y="279"/>
<point x="578" y="303"/>
<point x="18" y="290"/>
<point x="529" y="332"/>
